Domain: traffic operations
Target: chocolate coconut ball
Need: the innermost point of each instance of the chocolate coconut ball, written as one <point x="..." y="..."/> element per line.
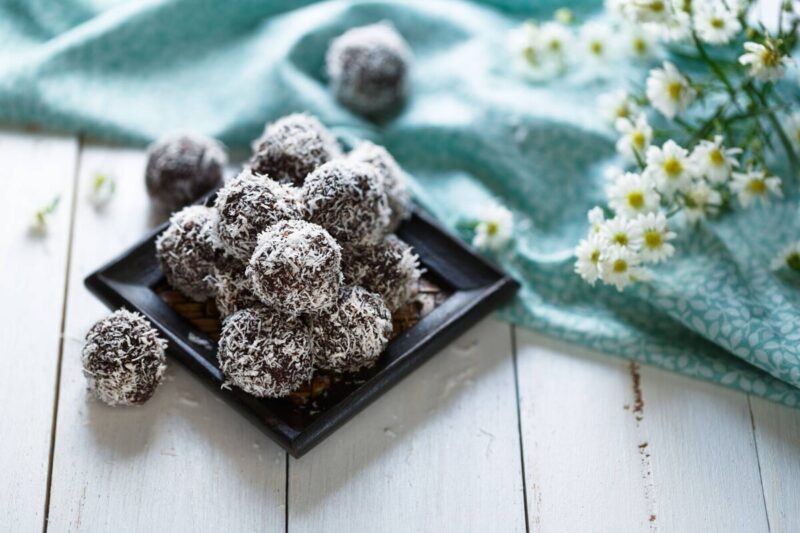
<point x="347" y="198"/>
<point x="264" y="353"/>
<point x="390" y="269"/>
<point x="183" y="167"/>
<point x="188" y="250"/>
<point x="296" y="267"/>
<point x="292" y="147"/>
<point x="353" y="334"/>
<point x="247" y="205"/>
<point x="368" y="68"/>
<point x="123" y="359"/>
<point x="232" y="288"/>
<point x="394" y="182"/>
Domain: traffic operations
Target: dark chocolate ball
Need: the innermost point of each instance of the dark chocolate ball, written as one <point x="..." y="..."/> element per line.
<point x="368" y="68"/>
<point x="247" y="205"/>
<point x="296" y="267"/>
<point x="183" y="167"/>
<point x="347" y="198"/>
<point x="353" y="333"/>
<point x="188" y="251"/>
<point x="292" y="147"/>
<point x="394" y="182"/>
<point x="123" y="359"/>
<point x="264" y="353"/>
<point x="390" y="269"/>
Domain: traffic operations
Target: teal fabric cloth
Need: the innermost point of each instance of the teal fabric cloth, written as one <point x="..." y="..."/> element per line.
<point x="472" y="132"/>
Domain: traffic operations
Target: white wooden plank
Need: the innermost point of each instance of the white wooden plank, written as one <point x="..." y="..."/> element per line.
<point x="35" y="169"/>
<point x="182" y="462"/>
<point x="584" y="467"/>
<point x="777" y="431"/>
<point x="440" y="452"/>
<point x="704" y="462"/>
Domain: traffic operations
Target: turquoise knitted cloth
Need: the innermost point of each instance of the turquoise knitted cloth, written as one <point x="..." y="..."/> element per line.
<point x="472" y="132"/>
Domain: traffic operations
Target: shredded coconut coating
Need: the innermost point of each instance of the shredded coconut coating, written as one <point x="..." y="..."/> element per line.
<point x="390" y="269"/>
<point x="368" y="68"/>
<point x="394" y="182"/>
<point x="353" y="333"/>
<point x="123" y="359"/>
<point x="232" y="288"/>
<point x="188" y="249"/>
<point x="296" y="267"/>
<point x="292" y="147"/>
<point x="264" y="353"/>
<point x="247" y="205"/>
<point x="183" y="167"/>
<point x="347" y="198"/>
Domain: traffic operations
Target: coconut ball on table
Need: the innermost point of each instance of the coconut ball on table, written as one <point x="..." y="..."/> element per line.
<point x="394" y="182"/>
<point x="265" y="353"/>
<point x="353" y="333"/>
<point x="183" y="167"/>
<point x="247" y="205"/>
<point x="292" y="147"/>
<point x="232" y="289"/>
<point x="296" y="267"/>
<point x="368" y="68"/>
<point x="389" y="268"/>
<point x="123" y="359"/>
<point x="348" y="199"/>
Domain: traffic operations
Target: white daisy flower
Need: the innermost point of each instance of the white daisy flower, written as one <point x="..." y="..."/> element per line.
<point x="596" y="218"/>
<point x="715" y="23"/>
<point x="596" y="39"/>
<point x="555" y="39"/>
<point x="700" y="201"/>
<point x="620" y="266"/>
<point x="620" y="232"/>
<point x="669" y="91"/>
<point x="755" y="185"/>
<point x="635" y="138"/>
<point x="677" y="28"/>
<point x="655" y="237"/>
<point x="524" y="42"/>
<point x="631" y="195"/>
<point x="765" y="61"/>
<point x="669" y="167"/>
<point x="639" y="43"/>
<point x="789" y="257"/>
<point x="616" y="105"/>
<point x="494" y="229"/>
<point x="658" y="11"/>
<point x="588" y="254"/>
<point x="714" y="161"/>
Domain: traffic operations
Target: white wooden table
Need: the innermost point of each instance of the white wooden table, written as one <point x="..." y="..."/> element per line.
<point x="503" y="431"/>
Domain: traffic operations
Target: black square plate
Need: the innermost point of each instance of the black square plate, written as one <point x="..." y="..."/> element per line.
<point x="475" y="288"/>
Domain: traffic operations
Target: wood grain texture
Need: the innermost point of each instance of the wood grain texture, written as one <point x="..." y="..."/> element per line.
<point x="182" y="462"/>
<point x="777" y="431"/>
<point x="36" y="168"/>
<point x="703" y="456"/>
<point x="439" y="452"/>
<point x="584" y="468"/>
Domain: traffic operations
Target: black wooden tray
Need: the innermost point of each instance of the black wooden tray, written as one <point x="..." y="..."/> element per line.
<point x="473" y="286"/>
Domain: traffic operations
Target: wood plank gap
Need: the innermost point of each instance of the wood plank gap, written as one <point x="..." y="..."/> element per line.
<point x="758" y="461"/>
<point x="56" y="396"/>
<point x="513" y="332"/>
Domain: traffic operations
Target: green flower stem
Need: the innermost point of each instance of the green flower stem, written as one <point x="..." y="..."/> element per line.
<point x="716" y="69"/>
<point x="757" y="97"/>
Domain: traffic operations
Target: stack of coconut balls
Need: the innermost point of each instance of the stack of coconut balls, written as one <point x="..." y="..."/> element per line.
<point x="299" y="255"/>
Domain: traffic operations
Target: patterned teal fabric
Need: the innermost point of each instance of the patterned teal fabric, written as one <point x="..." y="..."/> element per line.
<point x="472" y="132"/>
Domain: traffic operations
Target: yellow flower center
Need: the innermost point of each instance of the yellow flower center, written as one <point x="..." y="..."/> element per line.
<point x="673" y="167"/>
<point x="675" y="89"/>
<point x="652" y="238"/>
<point x="621" y="239"/>
<point x="770" y="57"/>
<point x="529" y="52"/>
<point x="717" y="158"/>
<point x="620" y="266"/>
<point x="717" y="23"/>
<point x="554" y="45"/>
<point x="657" y="7"/>
<point x="639" y="46"/>
<point x="492" y="228"/>
<point x="757" y="186"/>
<point x="636" y="199"/>
<point x="596" y="47"/>
<point x="595" y="257"/>
<point x="638" y="139"/>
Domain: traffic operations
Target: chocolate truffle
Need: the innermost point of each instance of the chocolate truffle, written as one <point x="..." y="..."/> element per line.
<point x="394" y="182"/>
<point x="188" y="250"/>
<point x="292" y="147"/>
<point x="264" y="353"/>
<point x="123" y="359"/>
<point x="232" y="288"/>
<point x="296" y="267"/>
<point x="347" y="198"/>
<point x="353" y="334"/>
<point x="183" y="167"/>
<point x="368" y="68"/>
<point x="247" y="205"/>
<point x="390" y="269"/>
